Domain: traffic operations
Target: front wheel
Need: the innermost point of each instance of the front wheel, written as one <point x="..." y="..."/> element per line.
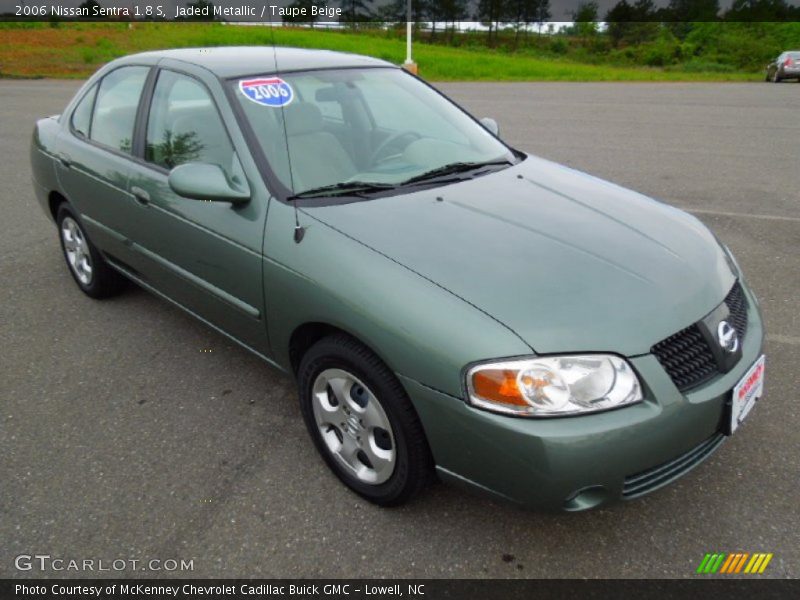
<point x="362" y="422"/>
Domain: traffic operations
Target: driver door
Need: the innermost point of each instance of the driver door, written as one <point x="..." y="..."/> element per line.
<point x="204" y="255"/>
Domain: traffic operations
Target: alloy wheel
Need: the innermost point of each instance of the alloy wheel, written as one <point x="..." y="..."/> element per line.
<point x="354" y="426"/>
<point x="76" y="249"/>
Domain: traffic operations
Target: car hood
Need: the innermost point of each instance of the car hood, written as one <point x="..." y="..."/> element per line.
<point x="569" y="262"/>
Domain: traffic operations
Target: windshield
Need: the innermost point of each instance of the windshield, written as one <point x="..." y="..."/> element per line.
<point x="367" y="129"/>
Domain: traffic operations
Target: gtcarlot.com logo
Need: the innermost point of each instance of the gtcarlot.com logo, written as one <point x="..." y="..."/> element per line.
<point x="46" y="562"/>
<point x="734" y="563"/>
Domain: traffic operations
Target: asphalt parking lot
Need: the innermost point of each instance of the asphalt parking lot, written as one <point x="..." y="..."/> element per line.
<point x="130" y="431"/>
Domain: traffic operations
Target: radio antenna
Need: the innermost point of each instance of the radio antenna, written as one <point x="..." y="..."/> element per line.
<point x="299" y="232"/>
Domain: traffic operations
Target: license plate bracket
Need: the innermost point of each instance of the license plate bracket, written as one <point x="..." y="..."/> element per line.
<point x="745" y="395"/>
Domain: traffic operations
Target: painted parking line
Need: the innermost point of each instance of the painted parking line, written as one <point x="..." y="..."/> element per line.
<point x="723" y="213"/>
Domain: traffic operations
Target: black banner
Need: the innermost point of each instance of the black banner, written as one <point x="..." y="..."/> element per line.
<point x="731" y="588"/>
<point x="531" y="12"/>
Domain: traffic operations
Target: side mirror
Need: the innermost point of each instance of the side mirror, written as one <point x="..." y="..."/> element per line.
<point x="202" y="181"/>
<point x="491" y="126"/>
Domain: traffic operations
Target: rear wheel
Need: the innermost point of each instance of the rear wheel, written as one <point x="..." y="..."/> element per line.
<point x="86" y="265"/>
<point x="776" y="78"/>
<point x="362" y="422"/>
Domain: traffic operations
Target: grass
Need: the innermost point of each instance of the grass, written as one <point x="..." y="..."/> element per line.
<point x="76" y="50"/>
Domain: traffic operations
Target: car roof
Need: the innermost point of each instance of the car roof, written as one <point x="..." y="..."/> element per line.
<point x="237" y="61"/>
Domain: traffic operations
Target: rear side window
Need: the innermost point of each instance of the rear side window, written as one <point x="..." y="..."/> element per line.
<point x="115" y="107"/>
<point x="185" y="126"/>
<point x="82" y="115"/>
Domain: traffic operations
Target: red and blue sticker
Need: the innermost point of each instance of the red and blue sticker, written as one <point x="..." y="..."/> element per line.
<point x="269" y="91"/>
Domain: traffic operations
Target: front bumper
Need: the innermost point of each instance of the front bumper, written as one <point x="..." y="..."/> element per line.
<point x="574" y="463"/>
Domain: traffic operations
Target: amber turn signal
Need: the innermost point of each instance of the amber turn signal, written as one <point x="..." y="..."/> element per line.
<point x="498" y="385"/>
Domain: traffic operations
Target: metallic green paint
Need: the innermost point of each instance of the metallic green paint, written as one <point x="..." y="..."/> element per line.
<point x="540" y="462"/>
<point x="569" y="262"/>
<point x="200" y="181"/>
<point x="536" y="256"/>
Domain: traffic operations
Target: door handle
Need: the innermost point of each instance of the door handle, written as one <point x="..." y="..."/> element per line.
<point x="142" y="197"/>
<point x="65" y="162"/>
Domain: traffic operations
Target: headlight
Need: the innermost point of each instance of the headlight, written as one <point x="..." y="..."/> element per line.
<point x="554" y="385"/>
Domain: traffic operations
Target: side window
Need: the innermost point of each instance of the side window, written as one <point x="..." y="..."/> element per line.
<point x="115" y="108"/>
<point x="185" y="126"/>
<point x="82" y="115"/>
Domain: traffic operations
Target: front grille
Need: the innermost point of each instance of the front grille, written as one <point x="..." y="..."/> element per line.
<point x="737" y="305"/>
<point x="686" y="357"/>
<point x="650" y="480"/>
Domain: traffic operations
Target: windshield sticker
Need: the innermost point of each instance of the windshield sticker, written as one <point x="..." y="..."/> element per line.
<point x="273" y="91"/>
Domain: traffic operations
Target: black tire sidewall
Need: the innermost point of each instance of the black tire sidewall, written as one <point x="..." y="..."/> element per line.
<point x="104" y="281"/>
<point x="340" y="352"/>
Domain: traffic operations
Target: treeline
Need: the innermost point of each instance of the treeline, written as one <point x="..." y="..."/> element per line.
<point x="497" y="14"/>
<point x="690" y="35"/>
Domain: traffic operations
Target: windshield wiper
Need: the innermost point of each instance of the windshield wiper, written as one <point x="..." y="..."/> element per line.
<point x="454" y="168"/>
<point x="345" y="188"/>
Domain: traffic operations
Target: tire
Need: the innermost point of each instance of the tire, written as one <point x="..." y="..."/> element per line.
<point x="362" y="422"/>
<point x="84" y="262"/>
<point x="776" y="78"/>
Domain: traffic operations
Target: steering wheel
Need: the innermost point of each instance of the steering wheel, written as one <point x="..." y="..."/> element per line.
<point x="377" y="155"/>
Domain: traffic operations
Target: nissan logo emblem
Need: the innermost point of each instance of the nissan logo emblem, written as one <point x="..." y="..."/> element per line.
<point x="727" y="337"/>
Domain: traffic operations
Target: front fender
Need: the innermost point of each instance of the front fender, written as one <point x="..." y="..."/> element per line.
<point x="419" y="329"/>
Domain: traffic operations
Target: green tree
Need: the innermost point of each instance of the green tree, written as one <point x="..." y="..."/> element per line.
<point x="632" y="23"/>
<point x="585" y="18"/>
<point x="682" y="14"/>
<point x="523" y="13"/>
<point x="491" y="13"/>
<point x="759" y="10"/>
<point x="397" y="11"/>
<point x="447" y="12"/>
<point x="175" y="149"/>
<point x="354" y="11"/>
<point x="539" y="13"/>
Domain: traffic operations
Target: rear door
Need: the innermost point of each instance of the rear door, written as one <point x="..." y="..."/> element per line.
<point x="204" y="255"/>
<point x="95" y="157"/>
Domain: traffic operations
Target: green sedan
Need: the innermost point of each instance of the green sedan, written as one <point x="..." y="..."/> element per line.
<point x="448" y="305"/>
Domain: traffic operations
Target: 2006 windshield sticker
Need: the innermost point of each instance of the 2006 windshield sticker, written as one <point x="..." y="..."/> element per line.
<point x="274" y="91"/>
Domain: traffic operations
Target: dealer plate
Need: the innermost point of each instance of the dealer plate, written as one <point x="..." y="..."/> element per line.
<point x="747" y="392"/>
